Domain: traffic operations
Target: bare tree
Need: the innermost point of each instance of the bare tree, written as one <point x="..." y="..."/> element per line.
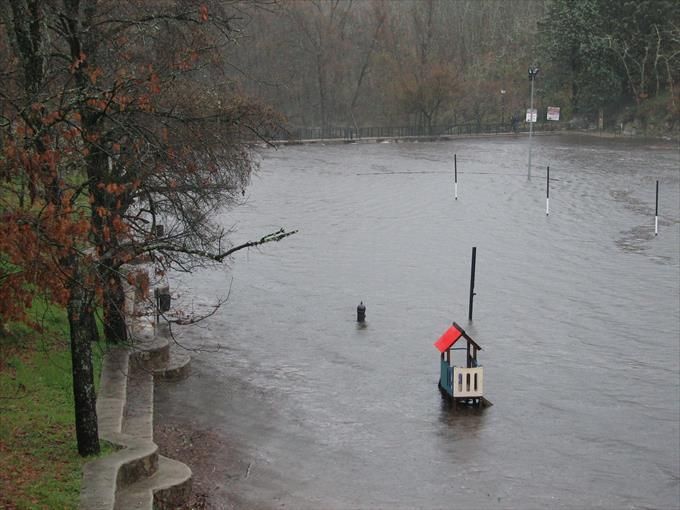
<point x="120" y="116"/>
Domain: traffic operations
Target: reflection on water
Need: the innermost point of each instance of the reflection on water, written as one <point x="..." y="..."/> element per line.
<point x="578" y="315"/>
<point x="461" y="419"/>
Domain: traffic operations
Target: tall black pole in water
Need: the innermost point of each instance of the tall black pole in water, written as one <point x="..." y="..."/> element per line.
<point x="472" y="281"/>
<point x="455" y="177"/>
<point x="656" y="211"/>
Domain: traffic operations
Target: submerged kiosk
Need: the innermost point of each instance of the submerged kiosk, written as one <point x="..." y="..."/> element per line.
<point x="462" y="384"/>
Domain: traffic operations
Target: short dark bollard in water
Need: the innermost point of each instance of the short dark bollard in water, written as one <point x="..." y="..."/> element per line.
<point x="361" y="312"/>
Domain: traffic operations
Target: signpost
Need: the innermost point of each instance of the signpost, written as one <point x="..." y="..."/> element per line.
<point x="533" y="71"/>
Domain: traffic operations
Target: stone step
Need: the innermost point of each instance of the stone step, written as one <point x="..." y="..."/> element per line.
<point x="135" y="476"/>
<point x="177" y="368"/>
<point x="168" y="488"/>
<point x="103" y="478"/>
<point x="139" y="460"/>
<point x="150" y="350"/>
<point x="138" y="417"/>
<point x="112" y="396"/>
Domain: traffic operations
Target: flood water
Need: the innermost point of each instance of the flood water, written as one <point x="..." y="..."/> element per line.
<point x="578" y="315"/>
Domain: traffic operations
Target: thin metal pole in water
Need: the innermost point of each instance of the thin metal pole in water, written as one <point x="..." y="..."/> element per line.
<point x="656" y="211"/>
<point x="547" y="192"/>
<point x="472" y="281"/>
<point x="455" y="177"/>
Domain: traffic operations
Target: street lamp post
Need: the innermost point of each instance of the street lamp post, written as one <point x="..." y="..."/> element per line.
<point x="533" y="71"/>
<point x="502" y="108"/>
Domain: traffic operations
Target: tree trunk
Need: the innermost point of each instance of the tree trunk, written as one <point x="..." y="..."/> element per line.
<point x="321" y="82"/>
<point x="79" y="308"/>
<point x="115" y="329"/>
<point x="92" y="326"/>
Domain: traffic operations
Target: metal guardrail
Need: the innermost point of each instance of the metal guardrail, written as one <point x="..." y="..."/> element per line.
<point x="352" y="133"/>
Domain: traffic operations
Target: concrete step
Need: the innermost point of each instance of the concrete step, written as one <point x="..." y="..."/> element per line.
<point x="168" y="488"/>
<point x="112" y="396"/>
<point x="138" y="460"/>
<point x="135" y="476"/>
<point x="103" y="478"/>
<point x="138" y="417"/>
<point x="150" y="350"/>
<point x="177" y="368"/>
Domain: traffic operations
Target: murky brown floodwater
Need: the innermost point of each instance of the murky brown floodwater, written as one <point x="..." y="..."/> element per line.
<point x="578" y="314"/>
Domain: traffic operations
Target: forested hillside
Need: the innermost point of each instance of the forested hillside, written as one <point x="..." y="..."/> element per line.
<point x="440" y="62"/>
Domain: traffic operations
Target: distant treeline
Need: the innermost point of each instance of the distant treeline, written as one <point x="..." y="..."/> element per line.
<point x="344" y="63"/>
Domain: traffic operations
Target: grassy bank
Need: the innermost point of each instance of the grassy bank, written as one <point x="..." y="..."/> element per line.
<point x="39" y="462"/>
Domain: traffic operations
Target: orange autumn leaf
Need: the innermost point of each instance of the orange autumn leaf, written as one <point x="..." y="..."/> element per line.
<point x="203" y="12"/>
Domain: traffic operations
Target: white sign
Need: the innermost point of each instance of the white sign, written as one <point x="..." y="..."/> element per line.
<point x="532" y="115"/>
<point x="553" y="113"/>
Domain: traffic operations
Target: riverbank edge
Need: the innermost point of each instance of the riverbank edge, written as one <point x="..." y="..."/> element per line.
<point x="136" y="472"/>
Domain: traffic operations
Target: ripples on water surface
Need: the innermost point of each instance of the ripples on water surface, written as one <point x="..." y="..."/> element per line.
<point x="578" y="314"/>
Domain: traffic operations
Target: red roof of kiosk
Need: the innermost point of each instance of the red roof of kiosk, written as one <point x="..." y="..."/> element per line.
<point x="449" y="338"/>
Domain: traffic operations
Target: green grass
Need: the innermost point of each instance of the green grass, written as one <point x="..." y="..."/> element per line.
<point x="39" y="462"/>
